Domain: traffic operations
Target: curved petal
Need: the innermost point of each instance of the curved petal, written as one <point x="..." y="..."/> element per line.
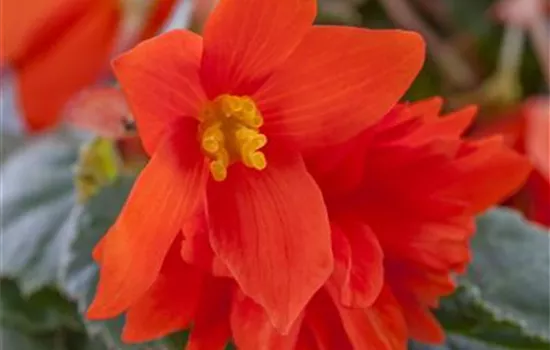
<point x="196" y="249"/>
<point x="245" y="40"/>
<point x="211" y="328"/>
<point x="252" y="329"/>
<point x="428" y="109"/>
<point x="455" y="124"/>
<point x="323" y="321"/>
<point x="160" y="78"/>
<point x="48" y="81"/>
<point x="381" y="327"/>
<point x="421" y="323"/>
<point x="338" y="81"/>
<point x="359" y="268"/>
<point x="489" y="173"/>
<point x="448" y="126"/>
<point x="169" y="305"/>
<point x="166" y="194"/>
<point x="388" y="321"/>
<point x="271" y="229"/>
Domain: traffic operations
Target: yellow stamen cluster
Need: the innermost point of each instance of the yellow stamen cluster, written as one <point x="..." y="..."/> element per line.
<point x="229" y="132"/>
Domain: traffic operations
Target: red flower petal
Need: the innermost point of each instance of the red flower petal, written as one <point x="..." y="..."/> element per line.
<point x="323" y="322"/>
<point x="160" y="78"/>
<point x="245" y="40"/>
<point x="359" y="257"/>
<point x="211" y="328"/>
<point x="337" y="82"/>
<point x="252" y="329"/>
<point x="306" y="341"/>
<point x="48" y="81"/>
<point x="538" y="188"/>
<point x="340" y="169"/>
<point x="169" y="305"/>
<point x="421" y="323"/>
<point x="196" y="249"/>
<point x="367" y="329"/>
<point x="488" y="174"/>
<point x="436" y="242"/>
<point x="271" y="229"/>
<point x="428" y="108"/>
<point x="448" y="126"/>
<point x="426" y="285"/>
<point x="388" y="321"/>
<point x="455" y="124"/>
<point x="135" y="246"/>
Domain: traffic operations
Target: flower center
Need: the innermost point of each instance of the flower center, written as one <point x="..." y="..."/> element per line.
<point x="229" y="132"/>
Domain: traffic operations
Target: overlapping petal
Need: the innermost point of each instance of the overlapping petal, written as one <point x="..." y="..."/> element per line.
<point x="161" y="93"/>
<point x="449" y="126"/>
<point x="196" y="249"/>
<point x="211" y="328"/>
<point x="489" y="173"/>
<point x="368" y="71"/>
<point x="246" y="40"/>
<point x="252" y="329"/>
<point x="135" y="247"/>
<point x="421" y="323"/>
<point x="366" y="329"/>
<point x="359" y="267"/>
<point x="271" y="229"/>
<point x="169" y="305"/>
<point x="322" y="322"/>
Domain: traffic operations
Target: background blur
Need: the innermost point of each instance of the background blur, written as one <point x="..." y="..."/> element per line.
<point x="69" y="153"/>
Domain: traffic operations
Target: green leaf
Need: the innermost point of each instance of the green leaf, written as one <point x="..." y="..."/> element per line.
<point x="467" y="313"/>
<point x="12" y="339"/>
<point x="9" y="143"/>
<point x="455" y="342"/>
<point x="80" y="273"/>
<point x="510" y="267"/>
<point x="505" y="296"/>
<point x="43" y="312"/>
<point x="37" y="196"/>
<point x="61" y="339"/>
<point x="81" y="341"/>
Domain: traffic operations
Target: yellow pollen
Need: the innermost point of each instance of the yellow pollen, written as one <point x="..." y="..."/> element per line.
<point x="229" y="132"/>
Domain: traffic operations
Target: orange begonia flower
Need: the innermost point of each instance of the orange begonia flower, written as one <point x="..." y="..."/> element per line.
<point x="59" y="49"/>
<point x="226" y="118"/>
<point x="401" y="199"/>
